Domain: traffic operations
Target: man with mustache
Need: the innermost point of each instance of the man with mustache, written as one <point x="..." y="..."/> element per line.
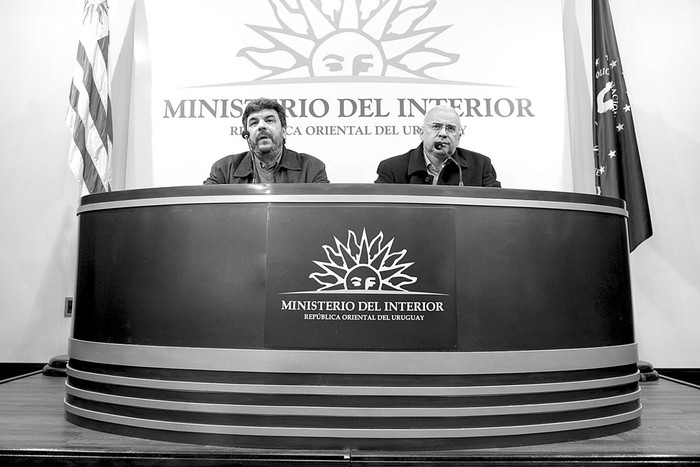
<point x="268" y="160"/>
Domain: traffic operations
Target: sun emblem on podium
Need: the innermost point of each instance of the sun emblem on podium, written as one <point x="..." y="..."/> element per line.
<point x="348" y="40"/>
<point x="363" y="265"/>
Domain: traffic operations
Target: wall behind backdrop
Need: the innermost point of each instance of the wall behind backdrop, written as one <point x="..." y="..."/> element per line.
<point x="160" y="66"/>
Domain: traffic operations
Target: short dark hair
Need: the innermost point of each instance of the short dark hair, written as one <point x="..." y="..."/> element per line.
<point x="263" y="103"/>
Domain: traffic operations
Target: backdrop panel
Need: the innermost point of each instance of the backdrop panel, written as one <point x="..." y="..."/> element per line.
<point x="356" y="78"/>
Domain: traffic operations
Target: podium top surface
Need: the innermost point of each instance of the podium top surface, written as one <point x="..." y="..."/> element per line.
<point x="352" y="193"/>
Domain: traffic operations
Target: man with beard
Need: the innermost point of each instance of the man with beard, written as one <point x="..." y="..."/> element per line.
<point x="268" y="160"/>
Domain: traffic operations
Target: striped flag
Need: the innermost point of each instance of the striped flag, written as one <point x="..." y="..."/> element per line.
<point x="89" y="115"/>
<point x="618" y="166"/>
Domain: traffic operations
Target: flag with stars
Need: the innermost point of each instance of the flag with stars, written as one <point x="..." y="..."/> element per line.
<point x="89" y="116"/>
<point x="618" y="166"/>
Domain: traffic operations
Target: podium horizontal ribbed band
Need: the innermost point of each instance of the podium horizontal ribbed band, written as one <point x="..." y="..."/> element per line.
<point x="352" y="362"/>
<point x="354" y="433"/>
<point x="350" y="411"/>
<point x="351" y="199"/>
<point x="359" y="390"/>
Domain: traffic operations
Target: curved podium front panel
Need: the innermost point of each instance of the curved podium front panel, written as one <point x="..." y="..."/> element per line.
<point x="353" y="317"/>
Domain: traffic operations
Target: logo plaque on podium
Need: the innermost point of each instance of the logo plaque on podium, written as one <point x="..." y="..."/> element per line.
<point x="374" y="280"/>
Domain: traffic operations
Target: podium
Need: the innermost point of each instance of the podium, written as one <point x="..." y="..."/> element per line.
<point x="390" y="317"/>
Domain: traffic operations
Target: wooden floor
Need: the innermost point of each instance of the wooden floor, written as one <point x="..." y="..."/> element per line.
<point x="33" y="431"/>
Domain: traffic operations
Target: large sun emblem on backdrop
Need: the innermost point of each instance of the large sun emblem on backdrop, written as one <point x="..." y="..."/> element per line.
<point x="348" y="39"/>
<point x="362" y="265"/>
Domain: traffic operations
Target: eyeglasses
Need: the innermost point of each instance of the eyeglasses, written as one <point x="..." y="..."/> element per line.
<point x="449" y="128"/>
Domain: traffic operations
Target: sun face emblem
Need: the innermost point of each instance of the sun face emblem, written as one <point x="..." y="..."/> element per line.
<point x="348" y="38"/>
<point x="362" y="265"/>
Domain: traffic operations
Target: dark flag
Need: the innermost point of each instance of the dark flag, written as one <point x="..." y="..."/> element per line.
<point x="618" y="168"/>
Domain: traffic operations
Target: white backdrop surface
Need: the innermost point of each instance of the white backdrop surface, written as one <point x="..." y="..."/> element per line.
<point x="356" y="78"/>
